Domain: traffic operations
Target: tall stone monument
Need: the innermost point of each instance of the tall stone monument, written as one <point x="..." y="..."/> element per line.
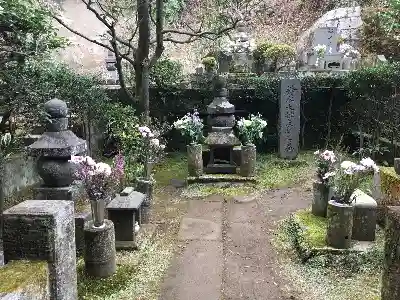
<point x="221" y="138"/>
<point x="44" y="230"/>
<point x="53" y="150"/>
<point x="289" y="118"/>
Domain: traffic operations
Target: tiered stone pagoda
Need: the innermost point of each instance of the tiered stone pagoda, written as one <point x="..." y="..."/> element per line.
<point x="221" y="140"/>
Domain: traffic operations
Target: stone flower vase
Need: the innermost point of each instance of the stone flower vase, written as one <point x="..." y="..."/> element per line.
<point x="145" y="186"/>
<point x="322" y="193"/>
<point x="248" y="160"/>
<point x="98" y="206"/>
<point x="340" y="224"/>
<point x="397" y="165"/>
<point x="321" y="64"/>
<point x="195" y="160"/>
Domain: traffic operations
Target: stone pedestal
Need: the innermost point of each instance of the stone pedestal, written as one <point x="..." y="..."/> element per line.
<point x="124" y="210"/>
<point x="340" y="225"/>
<point x="391" y="263"/>
<point x="100" y="250"/>
<point x="289" y="118"/>
<point x="248" y="161"/>
<point x="195" y="160"/>
<point x="145" y="186"/>
<point x="364" y="218"/>
<point x="321" y="196"/>
<point x="44" y="230"/>
<point x="397" y="165"/>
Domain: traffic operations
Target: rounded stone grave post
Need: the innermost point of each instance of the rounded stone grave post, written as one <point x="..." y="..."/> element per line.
<point x="340" y="225"/>
<point x="100" y="253"/>
<point x="248" y="161"/>
<point x="321" y="196"/>
<point x="195" y="159"/>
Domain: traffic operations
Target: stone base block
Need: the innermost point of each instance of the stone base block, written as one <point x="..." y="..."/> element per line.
<point x="364" y="217"/>
<point x="80" y="219"/>
<point x="99" y="255"/>
<point x="145" y="213"/>
<point x="220" y="169"/>
<point x="71" y="193"/>
<point x="213" y="178"/>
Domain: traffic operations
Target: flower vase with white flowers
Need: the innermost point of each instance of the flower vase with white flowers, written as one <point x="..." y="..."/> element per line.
<point x="251" y="129"/>
<point x="322" y="192"/>
<point x="320" y="51"/>
<point x="152" y="147"/>
<point x="191" y="127"/>
<point x="345" y="179"/>
<point x="98" y="180"/>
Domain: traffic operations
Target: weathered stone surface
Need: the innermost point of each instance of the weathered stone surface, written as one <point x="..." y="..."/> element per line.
<point x="391" y="264"/>
<point x="221" y="138"/>
<point x="340" y="225"/>
<point x="197" y="274"/>
<point x="199" y="229"/>
<point x="397" y="165"/>
<point x="124" y="211"/>
<point x="100" y="250"/>
<point x="248" y="161"/>
<point x="195" y="160"/>
<point x="127" y="191"/>
<point x="244" y="199"/>
<point x="146" y="187"/>
<point x="321" y="196"/>
<point x="45" y="230"/>
<point x="72" y="192"/>
<point x="346" y="20"/>
<point x="80" y="219"/>
<point x="364" y="218"/>
<point x="289" y="118"/>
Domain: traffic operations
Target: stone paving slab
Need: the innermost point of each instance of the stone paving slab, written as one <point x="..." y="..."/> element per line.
<point x="199" y="229"/>
<point x="196" y="274"/>
<point x="204" y="210"/>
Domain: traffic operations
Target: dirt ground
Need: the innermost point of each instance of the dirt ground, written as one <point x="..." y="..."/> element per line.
<point x="227" y="250"/>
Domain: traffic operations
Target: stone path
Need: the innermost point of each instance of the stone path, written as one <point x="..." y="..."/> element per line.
<point x="227" y="253"/>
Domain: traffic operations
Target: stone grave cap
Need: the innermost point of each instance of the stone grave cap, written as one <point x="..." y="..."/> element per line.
<point x="62" y="143"/>
<point x="132" y="201"/>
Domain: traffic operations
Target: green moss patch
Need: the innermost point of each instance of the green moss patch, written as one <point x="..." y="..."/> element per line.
<point x="306" y="233"/>
<point x="19" y="274"/>
<point x="390" y="183"/>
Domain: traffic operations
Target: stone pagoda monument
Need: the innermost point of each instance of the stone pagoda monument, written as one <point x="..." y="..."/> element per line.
<point x="221" y="139"/>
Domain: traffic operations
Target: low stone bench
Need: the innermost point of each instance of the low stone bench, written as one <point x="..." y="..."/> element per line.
<point x="124" y="211"/>
<point x="364" y="218"/>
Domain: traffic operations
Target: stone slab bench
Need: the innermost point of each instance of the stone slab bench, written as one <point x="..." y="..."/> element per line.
<point x="364" y="217"/>
<point x="124" y="211"/>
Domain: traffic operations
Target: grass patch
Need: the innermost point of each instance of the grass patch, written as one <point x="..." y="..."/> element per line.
<point x="272" y="172"/>
<point x="19" y="274"/>
<point x="314" y="228"/>
<point x="328" y="276"/>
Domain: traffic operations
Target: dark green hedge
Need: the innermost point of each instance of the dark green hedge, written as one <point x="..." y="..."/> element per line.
<point x="326" y="99"/>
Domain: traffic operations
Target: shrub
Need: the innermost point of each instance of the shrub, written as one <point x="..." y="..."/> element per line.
<point x="166" y="72"/>
<point x="210" y="63"/>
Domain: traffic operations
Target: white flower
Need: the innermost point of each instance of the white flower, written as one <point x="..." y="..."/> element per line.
<point x="316" y="152"/>
<point x="162" y="147"/>
<point x="347" y="164"/>
<point x="6" y="139"/>
<point x="328" y="175"/>
<point x="329" y="155"/>
<point x="247" y="123"/>
<point x="369" y="164"/>
<point x="89" y="161"/>
<point x="260" y="134"/>
<point x="155" y="142"/>
<point x="137" y="227"/>
<point x="102" y="168"/>
<point x="145" y="131"/>
<point x="76" y="159"/>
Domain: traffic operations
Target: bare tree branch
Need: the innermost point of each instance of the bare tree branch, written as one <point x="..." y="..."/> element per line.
<point x="159" y="35"/>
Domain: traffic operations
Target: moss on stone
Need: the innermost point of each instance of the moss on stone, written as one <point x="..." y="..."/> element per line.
<point x="390" y="185"/>
<point x="19" y="274"/>
<point x="314" y="228"/>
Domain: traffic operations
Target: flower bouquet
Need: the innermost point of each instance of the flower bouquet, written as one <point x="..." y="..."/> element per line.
<point x="191" y="127"/>
<point x="346" y="179"/>
<point x="98" y="180"/>
<point x="251" y="129"/>
<point x="322" y="192"/>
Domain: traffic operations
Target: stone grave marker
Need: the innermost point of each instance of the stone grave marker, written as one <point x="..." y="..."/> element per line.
<point x="124" y="211"/>
<point x="44" y="230"/>
<point x="289" y="118"/>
